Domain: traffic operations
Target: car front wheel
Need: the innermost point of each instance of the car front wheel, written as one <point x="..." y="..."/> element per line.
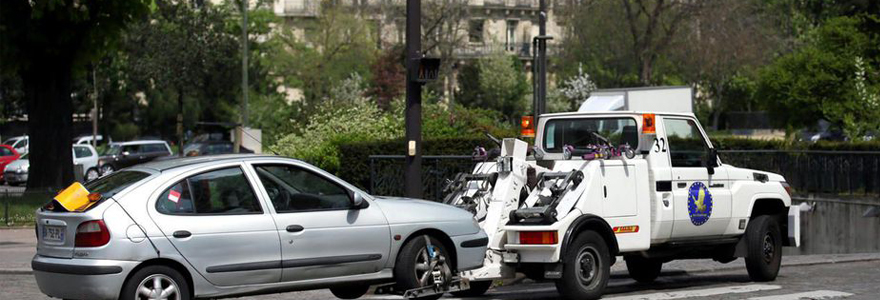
<point x="422" y="262"/>
<point x="154" y="283"/>
<point x="92" y="174"/>
<point x="106" y="170"/>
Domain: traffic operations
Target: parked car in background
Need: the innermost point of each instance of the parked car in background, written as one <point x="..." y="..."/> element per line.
<point x="20" y="143"/>
<point x="8" y="154"/>
<point x="87" y="139"/>
<point x="243" y="225"/>
<point x="211" y="147"/>
<point x="125" y="154"/>
<point x="16" y="172"/>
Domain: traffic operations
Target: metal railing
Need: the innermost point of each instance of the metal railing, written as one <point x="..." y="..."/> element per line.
<point x="847" y="173"/>
<point x="18" y="206"/>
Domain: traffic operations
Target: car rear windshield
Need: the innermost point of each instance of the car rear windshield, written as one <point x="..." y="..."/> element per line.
<point x="111" y="184"/>
<point x="579" y="133"/>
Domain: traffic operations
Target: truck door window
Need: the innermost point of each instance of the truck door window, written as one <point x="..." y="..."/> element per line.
<point x="687" y="148"/>
<point x="580" y="133"/>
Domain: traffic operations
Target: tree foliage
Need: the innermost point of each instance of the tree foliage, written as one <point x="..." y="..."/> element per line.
<point x="495" y="82"/>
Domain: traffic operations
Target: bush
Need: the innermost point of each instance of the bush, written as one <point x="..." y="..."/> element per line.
<point x="733" y="143"/>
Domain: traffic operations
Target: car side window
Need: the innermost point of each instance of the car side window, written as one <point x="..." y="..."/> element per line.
<point x="131" y="149"/>
<point x="5" y="152"/>
<point x="687" y="148"/>
<point x="223" y="191"/>
<point x="294" y="189"/>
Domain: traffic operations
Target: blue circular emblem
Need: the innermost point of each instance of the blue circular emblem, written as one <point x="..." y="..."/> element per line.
<point x="699" y="203"/>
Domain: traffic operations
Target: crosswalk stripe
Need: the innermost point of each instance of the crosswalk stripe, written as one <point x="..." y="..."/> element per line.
<point x="821" y="294"/>
<point x="699" y="293"/>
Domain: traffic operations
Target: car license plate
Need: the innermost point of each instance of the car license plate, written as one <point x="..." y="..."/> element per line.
<point x="53" y="234"/>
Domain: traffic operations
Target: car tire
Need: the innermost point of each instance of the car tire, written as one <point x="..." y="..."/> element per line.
<point x="478" y="288"/>
<point x="147" y="278"/>
<point x="644" y="270"/>
<point x="764" y="248"/>
<point x="586" y="266"/>
<point x="350" y="292"/>
<point x="107" y="169"/>
<point x="412" y="258"/>
<point x="92" y="174"/>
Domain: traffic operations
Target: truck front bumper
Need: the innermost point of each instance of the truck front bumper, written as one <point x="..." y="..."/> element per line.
<point x="794" y="226"/>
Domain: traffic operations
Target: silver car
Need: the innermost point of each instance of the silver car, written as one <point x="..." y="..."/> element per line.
<point x="206" y="227"/>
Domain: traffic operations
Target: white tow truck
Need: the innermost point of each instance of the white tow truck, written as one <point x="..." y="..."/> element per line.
<point x="597" y="185"/>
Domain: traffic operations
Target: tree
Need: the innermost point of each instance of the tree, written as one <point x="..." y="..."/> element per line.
<point x="835" y="77"/>
<point x="495" y="82"/>
<point x="49" y="43"/>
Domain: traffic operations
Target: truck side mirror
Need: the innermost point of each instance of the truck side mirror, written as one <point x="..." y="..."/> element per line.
<point x="712" y="161"/>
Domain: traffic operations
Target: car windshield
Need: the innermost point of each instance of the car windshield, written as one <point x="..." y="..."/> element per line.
<point x="584" y="132"/>
<point x="192" y="147"/>
<point x="111" y="184"/>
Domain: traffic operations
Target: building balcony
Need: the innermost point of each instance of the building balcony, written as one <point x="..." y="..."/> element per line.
<point x="301" y="8"/>
<point x="521" y="50"/>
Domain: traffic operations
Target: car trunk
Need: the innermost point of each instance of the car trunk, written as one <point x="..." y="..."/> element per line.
<point x="56" y="231"/>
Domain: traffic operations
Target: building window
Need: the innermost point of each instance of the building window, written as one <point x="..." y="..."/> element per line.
<point x="511" y="35"/>
<point x="475" y="31"/>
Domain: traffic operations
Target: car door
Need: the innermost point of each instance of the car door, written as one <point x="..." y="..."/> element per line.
<point x="702" y="200"/>
<point x="215" y="220"/>
<point x="322" y="235"/>
<point x="128" y="156"/>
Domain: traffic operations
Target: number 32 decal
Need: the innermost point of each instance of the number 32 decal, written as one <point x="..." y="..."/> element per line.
<point x="659" y="145"/>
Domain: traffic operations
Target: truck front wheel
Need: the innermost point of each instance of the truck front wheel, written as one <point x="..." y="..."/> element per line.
<point x="586" y="266"/>
<point x="644" y="270"/>
<point x="764" y="241"/>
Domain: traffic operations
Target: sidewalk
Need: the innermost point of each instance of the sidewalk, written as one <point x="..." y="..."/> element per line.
<point x="18" y="246"/>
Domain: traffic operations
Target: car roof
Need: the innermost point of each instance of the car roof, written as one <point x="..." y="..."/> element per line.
<point x="162" y="165"/>
<point x="141" y="142"/>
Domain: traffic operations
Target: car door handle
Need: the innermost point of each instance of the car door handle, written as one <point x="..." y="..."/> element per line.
<point x="682" y="185"/>
<point x="716" y="185"/>
<point x="294" y="228"/>
<point x="181" y="234"/>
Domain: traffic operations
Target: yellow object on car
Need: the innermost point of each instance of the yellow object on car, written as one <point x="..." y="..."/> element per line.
<point x="76" y="198"/>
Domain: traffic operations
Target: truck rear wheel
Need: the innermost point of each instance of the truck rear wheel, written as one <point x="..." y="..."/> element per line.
<point x="644" y="270"/>
<point x="586" y="266"/>
<point x="764" y="243"/>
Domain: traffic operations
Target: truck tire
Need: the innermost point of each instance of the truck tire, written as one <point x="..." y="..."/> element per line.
<point x="586" y="266"/>
<point x="409" y="270"/>
<point x="350" y="292"/>
<point x="478" y="288"/>
<point x="764" y="248"/>
<point x="644" y="270"/>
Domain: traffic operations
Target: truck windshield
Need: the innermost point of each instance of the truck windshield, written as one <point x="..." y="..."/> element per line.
<point x="579" y="133"/>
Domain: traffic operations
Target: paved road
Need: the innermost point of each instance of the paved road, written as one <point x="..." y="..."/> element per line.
<point x="854" y="280"/>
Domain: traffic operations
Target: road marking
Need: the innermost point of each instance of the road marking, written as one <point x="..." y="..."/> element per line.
<point x="699" y="293"/>
<point x="821" y="294"/>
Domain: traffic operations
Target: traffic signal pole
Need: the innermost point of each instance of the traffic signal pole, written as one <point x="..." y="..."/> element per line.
<point x="413" y="171"/>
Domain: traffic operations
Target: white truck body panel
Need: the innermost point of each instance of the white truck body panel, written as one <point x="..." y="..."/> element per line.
<point x="677" y="99"/>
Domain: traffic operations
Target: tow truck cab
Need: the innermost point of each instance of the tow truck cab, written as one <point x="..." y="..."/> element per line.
<point x="674" y="198"/>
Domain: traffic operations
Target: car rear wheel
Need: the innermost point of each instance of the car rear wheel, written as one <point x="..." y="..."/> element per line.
<point x="642" y="269"/>
<point x="422" y="262"/>
<point x="92" y="174"/>
<point x="154" y="283"/>
<point x="350" y="292"/>
<point x="764" y="243"/>
<point x="586" y="266"/>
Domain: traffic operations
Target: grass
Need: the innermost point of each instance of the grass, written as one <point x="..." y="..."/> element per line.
<point x="20" y="208"/>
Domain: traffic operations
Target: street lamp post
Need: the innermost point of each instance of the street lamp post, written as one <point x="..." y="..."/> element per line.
<point x="413" y="171"/>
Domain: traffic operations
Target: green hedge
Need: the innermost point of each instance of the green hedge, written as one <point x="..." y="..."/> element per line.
<point x="731" y="143"/>
<point x="355" y="163"/>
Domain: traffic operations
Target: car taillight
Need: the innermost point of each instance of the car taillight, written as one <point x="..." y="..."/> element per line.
<point x="787" y="187"/>
<point x="92" y="234"/>
<point x="538" y="237"/>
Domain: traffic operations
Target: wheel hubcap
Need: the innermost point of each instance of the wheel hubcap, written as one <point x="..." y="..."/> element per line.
<point x="768" y="249"/>
<point x="431" y="270"/>
<point x="91" y="175"/>
<point x="157" y="287"/>
<point x="587" y="266"/>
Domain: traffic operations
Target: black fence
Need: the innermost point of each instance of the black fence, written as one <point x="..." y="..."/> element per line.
<point x="854" y="173"/>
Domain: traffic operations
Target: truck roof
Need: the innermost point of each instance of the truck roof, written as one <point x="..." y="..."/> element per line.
<point x="599" y="113"/>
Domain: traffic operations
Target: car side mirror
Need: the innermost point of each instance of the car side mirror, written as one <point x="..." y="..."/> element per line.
<point x="358" y="202"/>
